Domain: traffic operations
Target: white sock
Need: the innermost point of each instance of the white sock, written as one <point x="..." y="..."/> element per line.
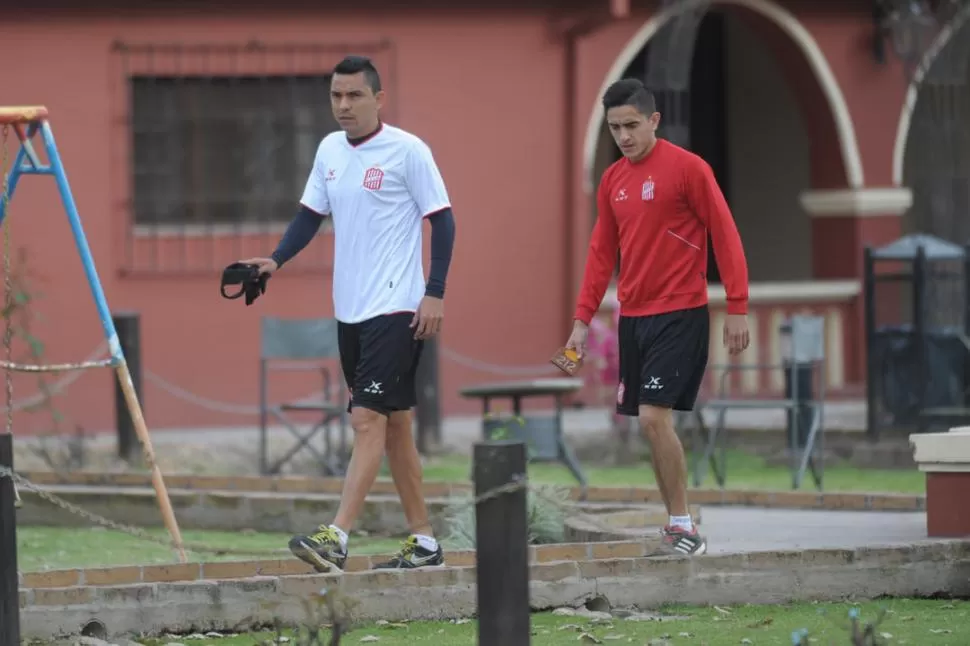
<point x="342" y="535"/>
<point x="684" y="522"/>
<point x="427" y="542"/>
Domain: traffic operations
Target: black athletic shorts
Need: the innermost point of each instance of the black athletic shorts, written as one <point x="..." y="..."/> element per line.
<point x="662" y="359"/>
<point x="379" y="358"/>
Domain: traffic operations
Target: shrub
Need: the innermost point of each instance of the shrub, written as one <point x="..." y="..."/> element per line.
<point x="546" y="516"/>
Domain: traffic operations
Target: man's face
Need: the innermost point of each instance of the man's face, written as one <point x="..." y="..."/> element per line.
<point x="354" y="104"/>
<point x="633" y="132"/>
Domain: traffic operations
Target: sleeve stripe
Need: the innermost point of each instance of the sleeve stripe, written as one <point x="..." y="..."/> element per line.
<point x="322" y="215"/>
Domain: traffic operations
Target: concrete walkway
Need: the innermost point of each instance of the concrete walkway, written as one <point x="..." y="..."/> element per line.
<point x="735" y="529"/>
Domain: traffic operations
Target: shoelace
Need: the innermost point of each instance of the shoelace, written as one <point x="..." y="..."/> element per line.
<point x="408" y="548"/>
<point x="669" y="533"/>
<point x="325" y="535"/>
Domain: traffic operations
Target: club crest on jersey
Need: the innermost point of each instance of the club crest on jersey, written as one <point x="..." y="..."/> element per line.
<point x="373" y="179"/>
<point x="646" y="193"/>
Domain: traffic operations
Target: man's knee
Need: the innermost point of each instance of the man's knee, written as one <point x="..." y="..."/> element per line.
<point x="399" y="421"/>
<point x="367" y="421"/>
<point x="398" y="429"/>
<point x="655" y="420"/>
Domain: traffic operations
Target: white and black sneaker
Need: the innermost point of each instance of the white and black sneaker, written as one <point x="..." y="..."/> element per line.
<point x="413" y="555"/>
<point x="677" y="541"/>
<point x="322" y="550"/>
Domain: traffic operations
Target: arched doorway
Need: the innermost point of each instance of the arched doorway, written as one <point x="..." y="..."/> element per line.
<point x="932" y="153"/>
<point x="932" y="158"/>
<point x="764" y="110"/>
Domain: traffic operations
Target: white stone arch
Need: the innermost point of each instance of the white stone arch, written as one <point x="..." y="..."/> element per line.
<point x="788" y="23"/>
<point x="942" y="39"/>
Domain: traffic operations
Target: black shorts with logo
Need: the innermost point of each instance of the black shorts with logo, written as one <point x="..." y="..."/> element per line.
<point x="379" y="358"/>
<point x="662" y="359"/>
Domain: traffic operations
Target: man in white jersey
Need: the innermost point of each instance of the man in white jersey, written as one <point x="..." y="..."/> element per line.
<point x="378" y="183"/>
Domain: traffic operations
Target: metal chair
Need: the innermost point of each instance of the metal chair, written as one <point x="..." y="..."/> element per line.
<point x="288" y="345"/>
<point x="803" y="350"/>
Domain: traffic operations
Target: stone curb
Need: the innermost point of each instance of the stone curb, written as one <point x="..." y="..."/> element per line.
<point x="624" y="525"/>
<point x="262" y="511"/>
<point x="637" y="495"/>
<point x="921" y="569"/>
<point x="205" y="571"/>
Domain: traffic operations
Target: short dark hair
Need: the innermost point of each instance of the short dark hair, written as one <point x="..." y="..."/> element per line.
<point x="630" y="92"/>
<point x="357" y="64"/>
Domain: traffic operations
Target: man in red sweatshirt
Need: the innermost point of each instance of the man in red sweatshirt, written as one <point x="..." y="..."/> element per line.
<point x="656" y="207"/>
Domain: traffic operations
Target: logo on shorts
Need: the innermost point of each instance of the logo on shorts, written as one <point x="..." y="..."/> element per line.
<point x="619" y="393"/>
<point x="374" y="388"/>
<point x="653" y="384"/>
<point x="646" y="193"/>
<point x="373" y="179"/>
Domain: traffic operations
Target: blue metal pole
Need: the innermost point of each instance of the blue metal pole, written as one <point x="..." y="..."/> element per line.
<point x="117" y="354"/>
<point x="57" y="169"/>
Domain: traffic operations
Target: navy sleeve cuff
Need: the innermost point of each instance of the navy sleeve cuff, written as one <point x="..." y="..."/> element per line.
<point x="442" y="244"/>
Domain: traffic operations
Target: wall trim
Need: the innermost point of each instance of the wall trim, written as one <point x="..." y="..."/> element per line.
<point x="788" y="23"/>
<point x="862" y="202"/>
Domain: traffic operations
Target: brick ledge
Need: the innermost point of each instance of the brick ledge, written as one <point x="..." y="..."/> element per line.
<point x="290" y="566"/>
<point x="921" y="569"/>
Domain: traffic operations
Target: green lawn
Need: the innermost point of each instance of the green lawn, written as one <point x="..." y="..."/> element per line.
<point x="744" y="471"/>
<point x="53" y="548"/>
<point x="914" y="622"/>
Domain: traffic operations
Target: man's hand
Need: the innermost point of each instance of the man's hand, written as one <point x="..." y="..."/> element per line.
<point x="577" y="340"/>
<point x="265" y="265"/>
<point x="427" y="320"/>
<point x="736" y="336"/>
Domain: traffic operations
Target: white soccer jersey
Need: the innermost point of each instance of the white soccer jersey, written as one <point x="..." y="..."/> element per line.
<point x="378" y="193"/>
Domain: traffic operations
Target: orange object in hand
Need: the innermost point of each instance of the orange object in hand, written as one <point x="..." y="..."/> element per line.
<point x="567" y="360"/>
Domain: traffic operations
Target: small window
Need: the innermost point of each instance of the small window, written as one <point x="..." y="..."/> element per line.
<point x="224" y="150"/>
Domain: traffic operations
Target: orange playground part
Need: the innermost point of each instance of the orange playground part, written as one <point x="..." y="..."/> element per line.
<point x="22" y="114"/>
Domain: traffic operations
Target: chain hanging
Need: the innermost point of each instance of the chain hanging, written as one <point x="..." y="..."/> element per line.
<point x="8" y="291"/>
<point x="518" y="483"/>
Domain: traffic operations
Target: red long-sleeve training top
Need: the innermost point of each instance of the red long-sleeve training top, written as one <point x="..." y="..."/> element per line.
<point x="658" y="212"/>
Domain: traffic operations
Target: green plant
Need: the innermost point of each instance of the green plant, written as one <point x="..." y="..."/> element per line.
<point x="328" y="619"/>
<point x="504" y="432"/>
<point x="545" y="504"/>
<point x="545" y="517"/>
<point x="860" y="634"/>
<point x="19" y="312"/>
<point x="22" y="315"/>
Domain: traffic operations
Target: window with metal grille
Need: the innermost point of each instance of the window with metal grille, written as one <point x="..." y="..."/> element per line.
<point x="225" y="151"/>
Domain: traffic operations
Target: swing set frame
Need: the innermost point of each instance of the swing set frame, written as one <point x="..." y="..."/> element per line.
<point x="27" y="122"/>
